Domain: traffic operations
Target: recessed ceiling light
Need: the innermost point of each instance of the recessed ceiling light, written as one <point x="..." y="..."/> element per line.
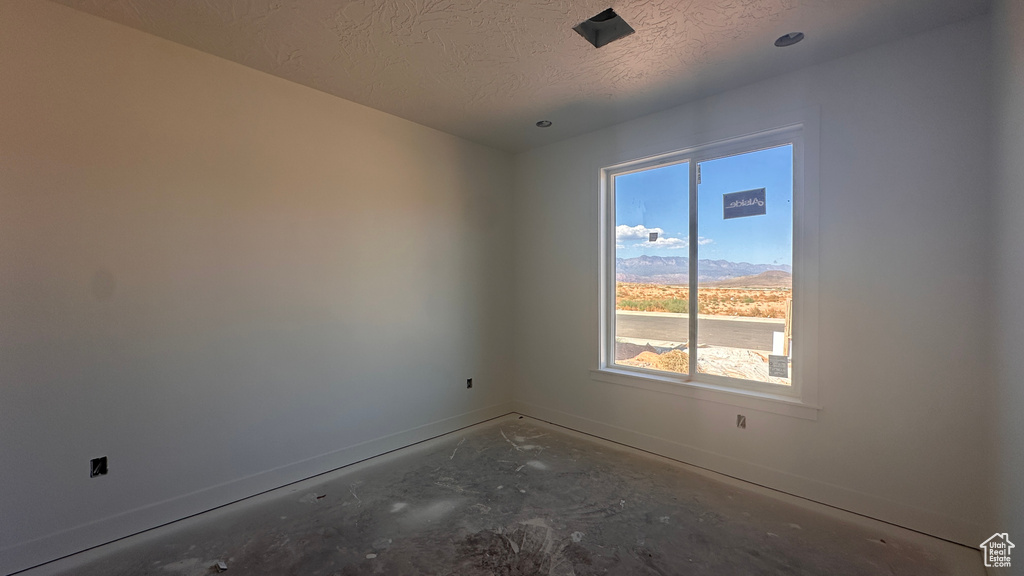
<point x="544" y="124"/>
<point x="789" y="39"/>
<point x="603" y="28"/>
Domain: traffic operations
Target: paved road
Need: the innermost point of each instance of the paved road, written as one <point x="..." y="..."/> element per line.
<point x="734" y="333"/>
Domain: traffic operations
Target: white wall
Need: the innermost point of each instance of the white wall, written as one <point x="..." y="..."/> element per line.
<point x="904" y="197"/>
<point x="222" y="281"/>
<point x="1008" y="268"/>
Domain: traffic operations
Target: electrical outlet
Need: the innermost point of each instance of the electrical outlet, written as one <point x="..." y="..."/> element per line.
<point x="469" y="382"/>
<point x="741" y="421"/>
<point x="98" y="467"/>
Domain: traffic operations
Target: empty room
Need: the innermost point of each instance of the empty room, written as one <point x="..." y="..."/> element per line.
<point x="556" y="287"/>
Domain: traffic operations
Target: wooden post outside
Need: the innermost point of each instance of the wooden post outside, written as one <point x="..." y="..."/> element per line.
<point x="789" y="328"/>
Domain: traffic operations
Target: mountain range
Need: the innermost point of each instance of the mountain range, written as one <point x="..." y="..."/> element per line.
<point x="676" y="270"/>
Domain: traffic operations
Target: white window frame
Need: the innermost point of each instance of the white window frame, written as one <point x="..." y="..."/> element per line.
<point x="801" y="398"/>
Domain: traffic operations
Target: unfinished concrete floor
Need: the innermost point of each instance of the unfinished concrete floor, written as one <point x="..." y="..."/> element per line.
<point x="515" y="496"/>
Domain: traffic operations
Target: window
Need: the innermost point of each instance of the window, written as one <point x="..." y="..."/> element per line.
<point x="699" y="257"/>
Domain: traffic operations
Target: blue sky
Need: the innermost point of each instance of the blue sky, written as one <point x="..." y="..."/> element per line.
<point x="658" y="200"/>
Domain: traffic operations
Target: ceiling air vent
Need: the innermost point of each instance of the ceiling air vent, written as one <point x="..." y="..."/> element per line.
<point x="604" y="28"/>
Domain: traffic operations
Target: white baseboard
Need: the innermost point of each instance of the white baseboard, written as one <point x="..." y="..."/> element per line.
<point x="925" y="521"/>
<point x="33" y="553"/>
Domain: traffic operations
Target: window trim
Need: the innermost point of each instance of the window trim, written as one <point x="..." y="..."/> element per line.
<point x="801" y="400"/>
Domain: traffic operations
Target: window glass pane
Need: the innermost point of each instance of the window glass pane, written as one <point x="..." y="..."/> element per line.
<point x="652" y="224"/>
<point x="745" y="266"/>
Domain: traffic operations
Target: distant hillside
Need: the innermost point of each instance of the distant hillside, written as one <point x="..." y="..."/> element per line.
<point x="675" y="270"/>
<point x="769" y="279"/>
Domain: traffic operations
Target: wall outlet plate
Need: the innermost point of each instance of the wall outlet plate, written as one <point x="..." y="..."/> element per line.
<point x="741" y="421"/>
<point x="469" y="382"/>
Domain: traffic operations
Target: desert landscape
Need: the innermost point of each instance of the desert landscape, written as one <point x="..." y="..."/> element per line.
<point x="718" y="301"/>
<point x="765" y="295"/>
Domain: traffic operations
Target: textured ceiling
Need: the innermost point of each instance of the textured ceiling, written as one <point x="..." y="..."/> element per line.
<point x="487" y="70"/>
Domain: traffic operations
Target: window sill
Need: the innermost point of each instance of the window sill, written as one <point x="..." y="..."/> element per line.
<point x="754" y="400"/>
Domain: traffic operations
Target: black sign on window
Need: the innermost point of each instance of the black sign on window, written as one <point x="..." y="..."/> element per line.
<point x="741" y="204"/>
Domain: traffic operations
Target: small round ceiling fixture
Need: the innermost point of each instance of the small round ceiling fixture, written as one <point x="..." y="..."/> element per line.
<point x="544" y="124"/>
<point x="789" y="39"/>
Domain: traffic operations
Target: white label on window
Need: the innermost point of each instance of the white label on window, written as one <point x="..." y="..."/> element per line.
<point x="778" y="366"/>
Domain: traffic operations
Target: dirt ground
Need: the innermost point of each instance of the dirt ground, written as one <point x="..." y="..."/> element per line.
<point x="721" y="361"/>
<point x="760" y="303"/>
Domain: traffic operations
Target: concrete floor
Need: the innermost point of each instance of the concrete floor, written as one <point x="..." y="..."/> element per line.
<point x="515" y="496"/>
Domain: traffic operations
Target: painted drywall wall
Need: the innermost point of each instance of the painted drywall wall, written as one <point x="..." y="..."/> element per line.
<point x="904" y="195"/>
<point x="1008" y="270"/>
<point x="222" y="281"/>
